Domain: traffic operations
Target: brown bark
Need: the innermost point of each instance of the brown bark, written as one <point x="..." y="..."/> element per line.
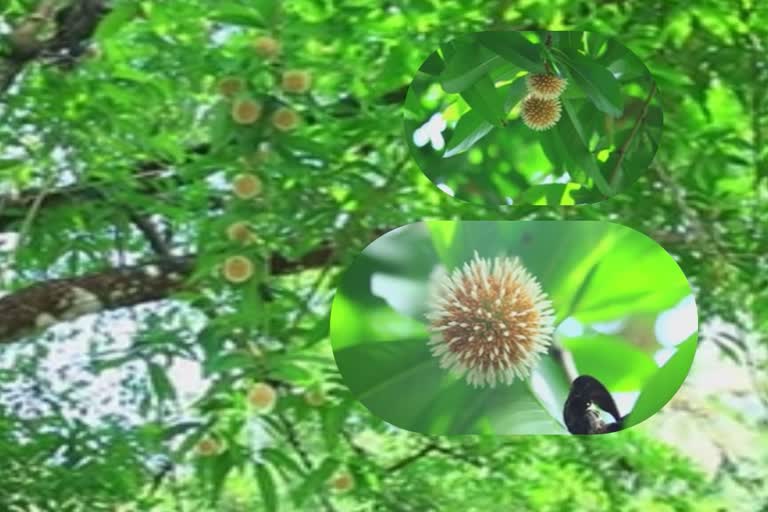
<point x="31" y="309"/>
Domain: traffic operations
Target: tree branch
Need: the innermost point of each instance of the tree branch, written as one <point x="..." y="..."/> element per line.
<point x="73" y="25"/>
<point x="622" y="152"/>
<point x="423" y="452"/>
<point x="28" y="310"/>
<point x="148" y="229"/>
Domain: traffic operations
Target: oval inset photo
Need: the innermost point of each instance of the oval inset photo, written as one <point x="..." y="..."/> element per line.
<point x="533" y="117"/>
<point x="550" y="327"/>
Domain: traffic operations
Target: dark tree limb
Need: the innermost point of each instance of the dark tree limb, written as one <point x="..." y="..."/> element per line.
<point x="410" y="459"/>
<point x="41" y="305"/>
<point x="44" y="304"/>
<point x="151" y="234"/>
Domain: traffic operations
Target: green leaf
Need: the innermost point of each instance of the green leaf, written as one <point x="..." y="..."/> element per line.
<point x="651" y="281"/>
<point x="220" y="125"/>
<point x="316" y="479"/>
<point x="485" y="100"/>
<point x="569" y="145"/>
<point x="596" y="81"/>
<point x="115" y="20"/>
<point x="515" y="48"/>
<point x="471" y="128"/>
<point x="9" y="163"/>
<point x="513" y="93"/>
<point x="442" y="233"/>
<point x="663" y="385"/>
<point x="612" y="360"/>
<point x="230" y="361"/>
<point x="291" y="372"/>
<point x="161" y="384"/>
<point x="237" y="15"/>
<point x="283" y="462"/>
<point x="333" y="419"/>
<point x="402" y="383"/>
<point x="266" y="488"/>
<point x="548" y="193"/>
<point x="466" y="66"/>
<point x="434" y="65"/>
<point x="219" y="467"/>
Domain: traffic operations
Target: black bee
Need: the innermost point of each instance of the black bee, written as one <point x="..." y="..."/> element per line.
<point x="579" y="414"/>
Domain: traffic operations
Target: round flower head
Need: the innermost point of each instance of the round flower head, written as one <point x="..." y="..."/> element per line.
<point x="229" y="86"/>
<point x="238" y="269"/>
<point x="207" y="447"/>
<point x="343" y="482"/>
<point x="540" y="114"/>
<point x="489" y="320"/>
<point x="545" y="86"/>
<point x="296" y="81"/>
<point x="246" y="186"/>
<point x="246" y="111"/>
<point x="240" y="232"/>
<point x="267" y="47"/>
<point x="285" y="119"/>
<point x="262" y="397"/>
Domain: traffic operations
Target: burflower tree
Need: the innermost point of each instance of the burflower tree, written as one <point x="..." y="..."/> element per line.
<point x="181" y="184"/>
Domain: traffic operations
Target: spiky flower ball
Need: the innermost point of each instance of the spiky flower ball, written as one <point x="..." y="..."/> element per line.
<point x="545" y="86"/>
<point x="238" y="269"/>
<point x="262" y="397"/>
<point x="230" y="86"/>
<point x="296" y="81"/>
<point x="208" y="447"/>
<point x="246" y="111"/>
<point x="267" y="47"/>
<point x="489" y="320"/>
<point x="540" y="114"/>
<point x="285" y="119"/>
<point x="246" y="186"/>
<point x="343" y="481"/>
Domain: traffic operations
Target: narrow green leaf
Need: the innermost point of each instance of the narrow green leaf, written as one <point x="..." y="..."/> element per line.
<point x="515" y="48"/>
<point x="612" y="360"/>
<point x="434" y="65"/>
<point x="581" y="291"/>
<point x="221" y="127"/>
<point x="513" y="93"/>
<point x="471" y="128"/>
<point x="333" y="420"/>
<point x="466" y="66"/>
<point x="316" y="479"/>
<point x="237" y="15"/>
<point x="485" y="100"/>
<point x="282" y="461"/>
<point x="442" y="233"/>
<point x="577" y="153"/>
<point x="596" y="81"/>
<point x="288" y="371"/>
<point x="266" y="488"/>
<point x="664" y="384"/>
<point x="161" y="384"/>
<point x="8" y="163"/>
<point x="547" y="193"/>
<point x="220" y="466"/>
<point x="229" y="361"/>
<point x="115" y="20"/>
